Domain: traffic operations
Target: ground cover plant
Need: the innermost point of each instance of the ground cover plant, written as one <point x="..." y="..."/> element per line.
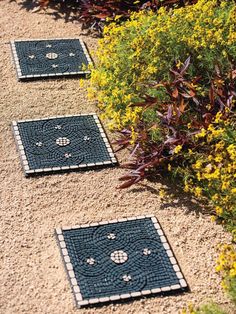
<point x="226" y="265"/>
<point x="209" y="308"/>
<point x="167" y="83"/>
<point x="94" y="14"/>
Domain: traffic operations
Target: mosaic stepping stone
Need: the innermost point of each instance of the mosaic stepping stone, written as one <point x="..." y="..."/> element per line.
<point x="49" y="58"/>
<point x="62" y="144"/>
<point x="119" y="259"/>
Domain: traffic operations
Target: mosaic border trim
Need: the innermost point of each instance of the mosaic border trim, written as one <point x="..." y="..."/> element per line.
<point x="80" y="302"/>
<point x="25" y="164"/>
<point x="18" y="68"/>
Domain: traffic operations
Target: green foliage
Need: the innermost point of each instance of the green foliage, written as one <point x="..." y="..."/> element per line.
<point x="226" y="265"/>
<point x="209" y="308"/>
<point x="146" y="47"/>
<point x="178" y="115"/>
<point x="232" y="289"/>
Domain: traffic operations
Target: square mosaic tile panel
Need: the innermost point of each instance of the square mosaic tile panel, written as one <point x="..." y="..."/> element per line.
<point x="49" y="58"/>
<point x="62" y="144"/>
<point x="119" y="259"/>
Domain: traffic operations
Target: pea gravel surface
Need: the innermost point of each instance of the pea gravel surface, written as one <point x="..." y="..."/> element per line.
<point x="32" y="277"/>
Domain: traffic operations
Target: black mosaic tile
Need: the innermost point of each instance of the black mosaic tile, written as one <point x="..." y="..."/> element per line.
<point x="49" y="58"/>
<point x="62" y="144"/>
<point x="119" y="259"/>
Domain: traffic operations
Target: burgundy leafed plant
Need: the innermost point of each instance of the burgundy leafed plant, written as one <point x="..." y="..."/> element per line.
<point x="177" y="120"/>
<point x="93" y="13"/>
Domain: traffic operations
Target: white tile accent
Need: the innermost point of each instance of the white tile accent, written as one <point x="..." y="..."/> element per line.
<point x="69" y="266"/>
<point x="73" y="281"/>
<point x="156" y="290"/>
<point x="64" y="251"/>
<point x="71" y="274"/>
<point x="165" y="289"/>
<point x="60" y="237"/>
<point x="173" y="260"/>
<point x="183" y="283"/>
<point x="63" y="244"/>
<point x="146" y="292"/>
<point x="179" y="275"/>
<point x="67" y="259"/>
<point x="176" y="268"/>
<point x="163" y="239"/>
<point x="78" y="296"/>
<point x="135" y="294"/>
<point x="93" y="301"/>
<point x="125" y="296"/>
<point x="58" y="231"/>
<point x="114" y="297"/>
<point x="105" y="299"/>
<point x="174" y="287"/>
<point x="83" y="303"/>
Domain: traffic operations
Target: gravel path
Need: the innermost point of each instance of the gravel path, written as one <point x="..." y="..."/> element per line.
<point x="33" y="279"/>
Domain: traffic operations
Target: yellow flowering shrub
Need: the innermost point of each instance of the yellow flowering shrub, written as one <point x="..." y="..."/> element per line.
<point x="135" y="60"/>
<point x="145" y="47"/>
<point x="169" y="79"/>
<point x="226" y="265"/>
<point x="212" y="171"/>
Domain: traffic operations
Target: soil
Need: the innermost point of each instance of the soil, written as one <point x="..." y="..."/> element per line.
<point x="33" y="279"/>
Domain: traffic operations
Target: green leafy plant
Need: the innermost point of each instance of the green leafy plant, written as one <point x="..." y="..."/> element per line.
<point x="175" y="116"/>
<point x="226" y="265"/>
<point x="144" y="49"/>
<point x="209" y="308"/>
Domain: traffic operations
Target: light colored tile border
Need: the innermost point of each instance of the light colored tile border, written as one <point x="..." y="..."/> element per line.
<point x="24" y="161"/>
<point x="80" y="301"/>
<point x="20" y="148"/>
<point x="20" y="76"/>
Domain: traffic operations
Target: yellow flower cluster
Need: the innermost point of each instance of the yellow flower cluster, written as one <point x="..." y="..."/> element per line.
<point x="214" y="173"/>
<point x="227" y="261"/>
<point x="145" y="47"/>
<point x="226" y="265"/>
<point x="177" y="149"/>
